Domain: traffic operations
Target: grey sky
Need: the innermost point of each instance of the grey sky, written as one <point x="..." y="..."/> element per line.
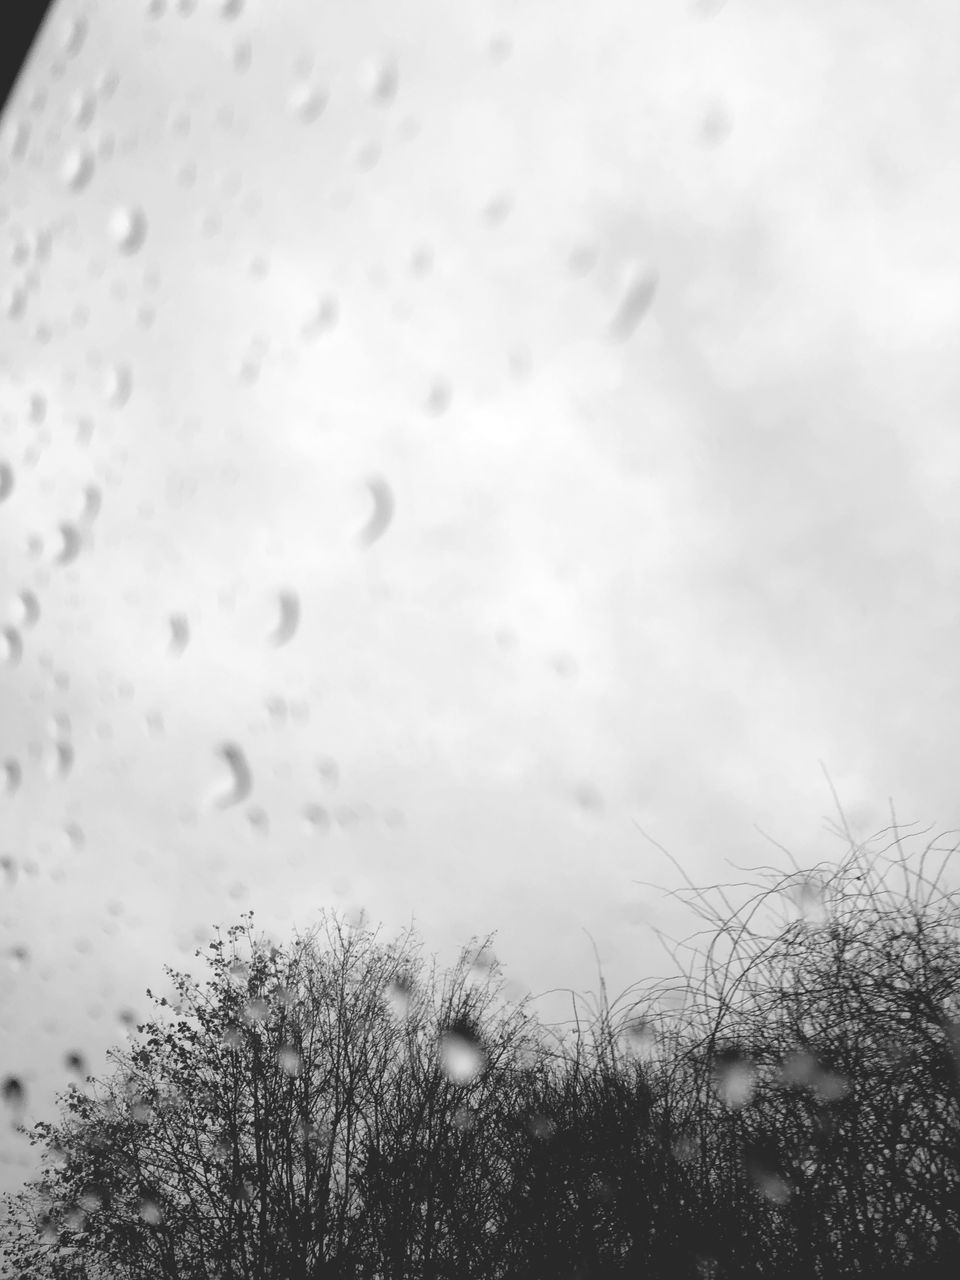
<point x="644" y="316"/>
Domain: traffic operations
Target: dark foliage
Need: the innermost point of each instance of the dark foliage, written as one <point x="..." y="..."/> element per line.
<point x="788" y="1107"/>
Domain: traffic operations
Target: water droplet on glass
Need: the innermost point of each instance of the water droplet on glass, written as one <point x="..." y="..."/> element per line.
<point x="324" y="317"/>
<point x="19" y="958"/>
<point x="13" y="1093"/>
<point x="464" y="1119"/>
<point x="59" y="760"/>
<point x="811" y="901"/>
<point x="461" y="1055"/>
<point x="83" y="106"/>
<point x="256" y="1010"/>
<point x="73" y="34"/>
<point x="640" y="1038"/>
<point x="438" y="397"/>
<point x="77" y="168"/>
<point x="398" y="995"/>
<point x="381" y="80"/>
<point x="382" y="513"/>
<point x="329" y="770"/>
<point x="11" y="775"/>
<point x="118" y="385"/>
<point x="634" y="305"/>
<point x="74" y="1062"/>
<point x="238" y="784"/>
<point x="258" y="820"/>
<point x="74" y="834"/>
<point x="11" y="647"/>
<point x="735" y="1078"/>
<point x="71" y="543"/>
<point x="127" y="227"/>
<point x="179" y="632"/>
<point x="15" y="302"/>
<point x="231" y="8"/>
<point x="316" y="818"/>
<point x="307" y="102"/>
<point x="150" y="1212"/>
<point x="542" y="1127"/>
<point x="589" y="798"/>
<point x="6" y="481"/>
<point x="18" y="138"/>
<point x="290" y="1061"/>
<point x="289" y="619"/>
<point x="582" y="259"/>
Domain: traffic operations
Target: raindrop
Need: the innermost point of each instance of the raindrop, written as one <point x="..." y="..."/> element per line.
<point x="276" y="708"/>
<point x="461" y="1054"/>
<point x="256" y="1010"/>
<point x="799" y="1068"/>
<point x="127" y="227"/>
<point x="92" y="502"/>
<point x="381" y="80"/>
<point x="13" y="1093"/>
<point x="382" y="513"/>
<point x="811" y="901"/>
<point x="258" y="820"/>
<point x="542" y="1127"/>
<point x="324" y="317"/>
<point x="289" y="620"/>
<point x="239" y="783"/>
<point x="329" y="770"/>
<point x="735" y="1078"/>
<point x="346" y="817"/>
<point x="179" y="632"/>
<point x="73" y="35"/>
<point x="307" y="102"/>
<point x="640" y="1038"/>
<point x="582" y="259"/>
<point x="77" y="168"/>
<point x="589" y="798"/>
<point x="497" y="210"/>
<point x="438" y="397"/>
<point x="398" y="995"/>
<point x="11" y="775"/>
<point x="15" y="302"/>
<point x="6" y="481"/>
<point x="19" y="958"/>
<point x="60" y="760"/>
<point x="74" y="1062"/>
<point x="150" y="1212"/>
<point x="290" y="1061"/>
<point x="18" y="139"/>
<point x="464" y="1119"/>
<point x="74" y="833"/>
<point x="83" y="106"/>
<point x="117" y="385"/>
<point x="232" y="1037"/>
<point x="316" y="817"/>
<point x="29" y="607"/>
<point x="11" y="647"/>
<point x="634" y="305"/>
<point x="71" y="543"/>
<point x="231" y="8"/>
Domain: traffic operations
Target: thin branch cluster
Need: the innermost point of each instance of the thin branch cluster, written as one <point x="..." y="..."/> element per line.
<point x="788" y="1105"/>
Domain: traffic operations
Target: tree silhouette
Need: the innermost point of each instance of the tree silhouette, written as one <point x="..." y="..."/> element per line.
<point x="787" y="1106"/>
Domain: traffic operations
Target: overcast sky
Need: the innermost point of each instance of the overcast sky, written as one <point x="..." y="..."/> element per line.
<point x="437" y="438"/>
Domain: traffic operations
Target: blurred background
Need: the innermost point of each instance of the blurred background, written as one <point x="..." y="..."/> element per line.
<point x="440" y="444"/>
